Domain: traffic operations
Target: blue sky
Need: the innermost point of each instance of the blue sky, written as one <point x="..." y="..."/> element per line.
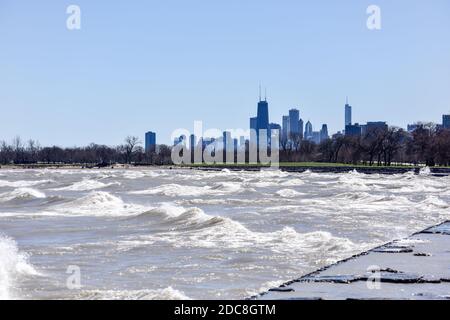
<point x="159" y="65"/>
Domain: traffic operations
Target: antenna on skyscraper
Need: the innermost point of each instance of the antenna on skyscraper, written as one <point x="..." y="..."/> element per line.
<point x="346" y="100"/>
<point x="265" y="94"/>
<point x="260" y="92"/>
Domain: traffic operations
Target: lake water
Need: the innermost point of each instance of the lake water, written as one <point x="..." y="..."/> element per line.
<point x="171" y="234"/>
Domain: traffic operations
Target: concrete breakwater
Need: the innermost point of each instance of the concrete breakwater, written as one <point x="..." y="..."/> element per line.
<point x="416" y="268"/>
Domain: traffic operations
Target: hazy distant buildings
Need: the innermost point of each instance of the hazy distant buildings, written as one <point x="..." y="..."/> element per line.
<point x="315" y="137"/>
<point x="353" y="130"/>
<point x="308" y="131"/>
<point x="446" y="121"/>
<point x="300" y="127"/>
<point x="285" y="128"/>
<point x="150" y="141"/>
<point x="324" y="133"/>
<point x="376" y="126"/>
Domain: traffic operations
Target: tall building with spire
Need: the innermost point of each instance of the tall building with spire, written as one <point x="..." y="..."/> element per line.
<point x="263" y="118"/>
<point x="348" y="114"/>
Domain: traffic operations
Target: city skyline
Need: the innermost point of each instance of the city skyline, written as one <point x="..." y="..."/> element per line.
<point x="154" y="66"/>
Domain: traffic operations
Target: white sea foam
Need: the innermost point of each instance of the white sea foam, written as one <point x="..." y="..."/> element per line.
<point x="158" y="294"/>
<point x="23" y="183"/>
<point x="22" y="194"/>
<point x="87" y="185"/>
<point x="13" y="265"/>
<point x="177" y="190"/>
<point x="288" y="193"/>
<point x="98" y="203"/>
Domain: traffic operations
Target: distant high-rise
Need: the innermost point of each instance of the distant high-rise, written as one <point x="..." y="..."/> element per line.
<point x="446" y="121"/>
<point x="294" y="117"/>
<point x="263" y="117"/>
<point x="348" y="114"/>
<point x="192" y="141"/>
<point x="308" y="130"/>
<point x="150" y="141"/>
<point x="254" y="123"/>
<point x="300" y="127"/>
<point x="285" y="129"/>
<point x="324" y="133"/>
<point x="353" y="130"/>
<point x="378" y="126"/>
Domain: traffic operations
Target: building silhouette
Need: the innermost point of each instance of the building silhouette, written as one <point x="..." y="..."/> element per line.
<point x="150" y="141"/>
<point x="294" y="117"/>
<point x="348" y="114"/>
<point x="285" y="128"/>
<point x="446" y="121"/>
<point x="353" y="130"/>
<point x="324" y="133"/>
<point x="300" y="127"/>
<point x="308" y="131"/>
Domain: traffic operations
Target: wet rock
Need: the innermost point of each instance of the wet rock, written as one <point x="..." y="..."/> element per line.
<point x="334" y="279"/>
<point x="422" y="254"/>
<point x="281" y="289"/>
<point x="394" y="249"/>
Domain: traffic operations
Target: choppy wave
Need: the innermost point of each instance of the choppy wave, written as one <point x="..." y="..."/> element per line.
<point x="159" y="294"/>
<point x="203" y="230"/>
<point x="13" y="265"/>
<point x="177" y="190"/>
<point x="22" y="194"/>
<point x="98" y="203"/>
<point x="86" y="185"/>
<point x="288" y="193"/>
<point x="23" y="183"/>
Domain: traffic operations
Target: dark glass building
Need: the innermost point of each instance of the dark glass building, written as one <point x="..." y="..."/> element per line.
<point x="150" y="141"/>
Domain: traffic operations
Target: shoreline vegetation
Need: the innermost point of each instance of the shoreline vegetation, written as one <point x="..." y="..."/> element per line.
<point x="379" y="150"/>
<point x="284" y="166"/>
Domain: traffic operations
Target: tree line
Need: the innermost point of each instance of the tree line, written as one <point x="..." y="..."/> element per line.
<point x="428" y="144"/>
<point x="131" y="151"/>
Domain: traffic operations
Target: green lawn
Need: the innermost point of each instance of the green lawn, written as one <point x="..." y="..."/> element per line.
<point x="296" y="164"/>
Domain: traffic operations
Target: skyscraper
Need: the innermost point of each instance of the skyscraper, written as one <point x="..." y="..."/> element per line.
<point x="446" y="121"/>
<point x="348" y="114"/>
<point x="294" y="117"/>
<point x="263" y="116"/>
<point x="286" y="128"/>
<point x="150" y="141"/>
<point x="324" y="133"/>
<point x="300" y="127"/>
<point x="308" y="130"/>
<point x="254" y="123"/>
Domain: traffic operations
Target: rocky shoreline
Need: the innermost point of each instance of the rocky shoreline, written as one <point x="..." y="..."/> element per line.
<point x="415" y="268"/>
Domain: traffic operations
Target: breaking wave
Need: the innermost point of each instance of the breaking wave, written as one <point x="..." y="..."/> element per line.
<point x="87" y="185"/>
<point x="159" y="294"/>
<point x="288" y="193"/>
<point x="22" y="194"/>
<point x="98" y="203"/>
<point x="13" y="265"/>
<point x="175" y="190"/>
<point x="23" y="183"/>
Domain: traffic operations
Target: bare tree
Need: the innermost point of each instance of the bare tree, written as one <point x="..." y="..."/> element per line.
<point x="131" y="142"/>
